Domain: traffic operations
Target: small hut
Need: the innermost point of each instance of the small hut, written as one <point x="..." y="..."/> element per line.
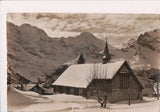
<point x="28" y="87"/>
<point x="38" y="89"/>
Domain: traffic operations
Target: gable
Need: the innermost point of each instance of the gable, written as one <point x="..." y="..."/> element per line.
<point x="124" y="69"/>
<point x="123" y="72"/>
<point x="134" y="76"/>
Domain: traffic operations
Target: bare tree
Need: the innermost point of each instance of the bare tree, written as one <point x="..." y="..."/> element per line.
<point x="104" y="99"/>
<point x="158" y="80"/>
<point x="102" y="95"/>
<point x="130" y="96"/>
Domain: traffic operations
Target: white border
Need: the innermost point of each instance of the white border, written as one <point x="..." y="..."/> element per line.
<point x="83" y="6"/>
<point x="142" y="7"/>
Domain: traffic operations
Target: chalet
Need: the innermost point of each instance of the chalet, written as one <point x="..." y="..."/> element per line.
<point x="38" y="89"/>
<point x="89" y="79"/>
<point x="28" y="87"/>
<point x="48" y="89"/>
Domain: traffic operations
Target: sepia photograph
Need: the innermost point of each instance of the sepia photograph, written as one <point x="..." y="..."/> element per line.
<point x="83" y="62"/>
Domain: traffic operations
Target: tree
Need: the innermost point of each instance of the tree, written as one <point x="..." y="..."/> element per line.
<point x="9" y="79"/>
<point x="81" y="59"/>
<point x="102" y="95"/>
<point x="130" y="95"/>
<point x="158" y="80"/>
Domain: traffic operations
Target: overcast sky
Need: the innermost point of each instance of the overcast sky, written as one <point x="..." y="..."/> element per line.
<point x="117" y="27"/>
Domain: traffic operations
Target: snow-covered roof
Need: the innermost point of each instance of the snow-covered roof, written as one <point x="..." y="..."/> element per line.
<point x="81" y="75"/>
<point x="28" y="86"/>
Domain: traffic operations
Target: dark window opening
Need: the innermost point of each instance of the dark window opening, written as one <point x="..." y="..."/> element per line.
<point x="124" y="84"/>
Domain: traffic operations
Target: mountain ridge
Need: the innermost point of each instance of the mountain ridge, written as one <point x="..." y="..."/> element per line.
<point x="34" y="55"/>
<point x="145" y="50"/>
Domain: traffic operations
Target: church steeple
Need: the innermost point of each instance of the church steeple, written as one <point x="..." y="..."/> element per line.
<point x="106" y="56"/>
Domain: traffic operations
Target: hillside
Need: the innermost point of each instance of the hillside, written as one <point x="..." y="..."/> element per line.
<point x="35" y="56"/>
<point x="32" y="53"/>
<point x="144" y="52"/>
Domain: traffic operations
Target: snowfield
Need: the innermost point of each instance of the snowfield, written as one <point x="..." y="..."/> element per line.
<point x="20" y="101"/>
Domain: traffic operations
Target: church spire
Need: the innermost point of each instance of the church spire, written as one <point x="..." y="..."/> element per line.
<point x="106" y="56"/>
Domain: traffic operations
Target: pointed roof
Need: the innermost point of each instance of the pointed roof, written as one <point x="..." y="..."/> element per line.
<point x="106" y="56"/>
<point x="106" y="50"/>
<point x="81" y="75"/>
<point x="37" y="86"/>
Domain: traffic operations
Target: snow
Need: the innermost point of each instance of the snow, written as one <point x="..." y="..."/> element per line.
<point x="18" y="99"/>
<point x="71" y="103"/>
<point x="64" y="34"/>
<point x="28" y="86"/>
<point x="82" y="74"/>
<point x="15" y="98"/>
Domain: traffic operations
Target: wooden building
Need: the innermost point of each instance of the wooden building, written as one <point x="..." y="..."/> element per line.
<point x="38" y="89"/>
<point x="41" y="89"/>
<point x="89" y="80"/>
<point x="28" y="87"/>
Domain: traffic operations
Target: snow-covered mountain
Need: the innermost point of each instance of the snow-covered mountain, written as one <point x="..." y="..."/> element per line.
<point x="144" y="52"/>
<point x="32" y="53"/>
<point x="116" y="27"/>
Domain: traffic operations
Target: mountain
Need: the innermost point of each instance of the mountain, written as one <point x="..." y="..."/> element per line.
<point x="60" y="69"/>
<point x="117" y="27"/>
<point x="15" y="78"/>
<point x="150" y="40"/>
<point x="34" y="55"/>
<point x="144" y="52"/>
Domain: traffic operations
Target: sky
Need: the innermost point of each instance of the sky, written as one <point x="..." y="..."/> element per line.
<point x="118" y="28"/>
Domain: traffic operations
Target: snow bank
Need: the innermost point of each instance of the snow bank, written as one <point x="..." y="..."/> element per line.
<point x="62" y="103"/>
<point x="68" y="98"/>
<point x="17" y="99"/>
<point x="71" y="103"/>
<point x="14" y="97"/>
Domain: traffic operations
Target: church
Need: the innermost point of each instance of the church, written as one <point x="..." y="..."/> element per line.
<point x="90" y="80"/>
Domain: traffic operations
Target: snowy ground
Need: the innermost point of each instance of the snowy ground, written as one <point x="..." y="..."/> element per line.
<point x="19" y="101"/>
